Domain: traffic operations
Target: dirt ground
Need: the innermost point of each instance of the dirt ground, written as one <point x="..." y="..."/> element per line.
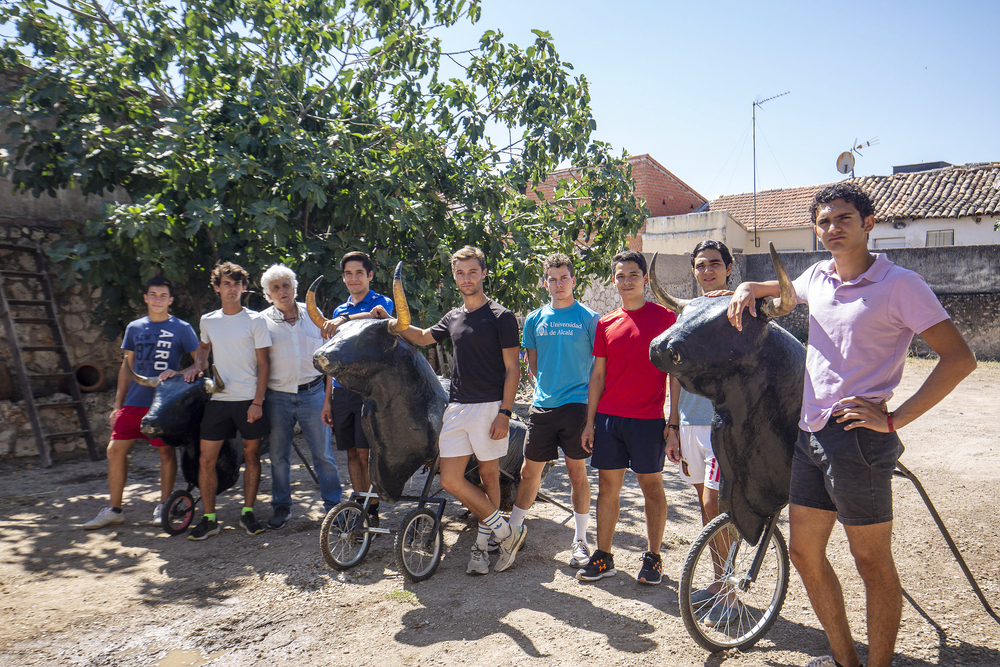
<point x="134" y="596"/>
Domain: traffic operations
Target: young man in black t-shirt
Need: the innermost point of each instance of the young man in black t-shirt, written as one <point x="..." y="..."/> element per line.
<point x="483" y="385"/>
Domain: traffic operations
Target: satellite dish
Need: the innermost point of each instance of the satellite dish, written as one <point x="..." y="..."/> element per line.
<point x="845" y="162"/>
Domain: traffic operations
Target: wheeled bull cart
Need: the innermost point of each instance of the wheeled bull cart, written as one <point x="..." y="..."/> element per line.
<point x="179" y="509"/>
<point x="346" y="535"/>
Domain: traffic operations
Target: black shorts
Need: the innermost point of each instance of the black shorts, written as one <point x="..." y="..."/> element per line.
<point x="346" y="406"/>
<point x="552" y="428"/>
<point x="222" y="420"/>
<point x="629" y="442"/>
<point x="847" y="472"/>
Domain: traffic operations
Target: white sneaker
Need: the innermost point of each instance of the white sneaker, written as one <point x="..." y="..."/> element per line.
<point x="106" y="517"/>
<point x="824" y="661"/>
<point x="509" y="547"/>
<point x="580" y="555"/>
<point x="479" y="563"/>
<point x="158" y="515"/>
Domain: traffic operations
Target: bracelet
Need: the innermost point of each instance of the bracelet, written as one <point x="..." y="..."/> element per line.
<point x="674" y="427"/>
<point x="888" y="418"/>
<point x="506" y="412"/>
<point x="259" y="405"/>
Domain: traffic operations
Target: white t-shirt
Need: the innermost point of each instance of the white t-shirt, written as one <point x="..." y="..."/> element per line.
<point x="235" y="340"/>
<point x="292" y="347"/>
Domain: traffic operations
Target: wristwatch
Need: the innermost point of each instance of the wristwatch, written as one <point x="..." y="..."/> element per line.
<point x="674" y="427"/>
<point x="506" y="412"/>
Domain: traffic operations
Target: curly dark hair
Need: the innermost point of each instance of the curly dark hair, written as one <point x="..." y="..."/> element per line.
<point x="711" y="244"/>
<point x="849" y="192"/>
<point x="555" y="260"/>
<point x="234" y="271"/>
<point x="630" y="256"/>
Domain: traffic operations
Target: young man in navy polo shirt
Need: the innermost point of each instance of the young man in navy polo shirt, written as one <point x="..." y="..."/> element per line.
<point x="357" y="270"/>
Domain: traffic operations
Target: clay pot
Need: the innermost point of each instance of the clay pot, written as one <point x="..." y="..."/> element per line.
<point x="89" y="377"/>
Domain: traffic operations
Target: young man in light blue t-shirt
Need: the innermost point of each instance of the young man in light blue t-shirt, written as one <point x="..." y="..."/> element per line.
<point x="559" y="338"/>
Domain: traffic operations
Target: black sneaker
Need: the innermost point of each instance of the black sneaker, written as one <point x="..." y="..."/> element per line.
<point x="279" y="517"/>
<point x="204" y="529"/>
<point x="250" y="523"/>
<point x="602" y="564"/>
<point x="652" y="569"/>
<point x="373" y="521"/>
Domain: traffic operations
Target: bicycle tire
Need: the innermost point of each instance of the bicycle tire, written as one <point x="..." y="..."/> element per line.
<point x="419" y="545"/>
<point x="758" y="604"/>
<point x="343" y="538"/>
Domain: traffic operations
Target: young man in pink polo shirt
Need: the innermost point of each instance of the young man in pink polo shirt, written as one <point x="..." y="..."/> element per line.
<point x="863" y="312"/>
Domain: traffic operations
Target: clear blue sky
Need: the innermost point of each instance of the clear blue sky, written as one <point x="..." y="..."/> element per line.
<point x="677" y="81"/>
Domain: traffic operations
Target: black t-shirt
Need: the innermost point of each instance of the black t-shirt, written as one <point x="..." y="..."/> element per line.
<point x="478" y="371"/>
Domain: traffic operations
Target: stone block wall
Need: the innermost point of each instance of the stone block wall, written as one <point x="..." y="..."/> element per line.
<point x="17" y="438"/>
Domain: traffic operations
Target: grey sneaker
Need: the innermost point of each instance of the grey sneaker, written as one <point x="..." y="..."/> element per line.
<point x="580" y="555"/>
<point x="479" y="563"/>
<point x="251" y="524"/>
<point x="722" y="617"/>
<point x="824" y="661"/>
<point x="279" y="517"/>
<point x="106" y="517"/>
<point x="509" y="547"/>
<point x="158" y="515"/>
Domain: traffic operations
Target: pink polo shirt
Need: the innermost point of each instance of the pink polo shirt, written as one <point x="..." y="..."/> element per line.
<point x="859" y="333"/>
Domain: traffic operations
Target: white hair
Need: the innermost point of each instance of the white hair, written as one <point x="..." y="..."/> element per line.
<point x="275" y="273"/>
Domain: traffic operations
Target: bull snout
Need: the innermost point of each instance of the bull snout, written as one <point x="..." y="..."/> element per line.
<point x="150" y="428"/>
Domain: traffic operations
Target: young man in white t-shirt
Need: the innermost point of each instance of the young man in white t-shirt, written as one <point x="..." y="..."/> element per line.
<point x="239" y="341"/>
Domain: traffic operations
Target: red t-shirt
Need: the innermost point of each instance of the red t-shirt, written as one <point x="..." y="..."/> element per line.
<point x="633" y="386"/>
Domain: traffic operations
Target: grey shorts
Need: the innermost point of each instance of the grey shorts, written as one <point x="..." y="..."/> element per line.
<point x="847" y="472"/>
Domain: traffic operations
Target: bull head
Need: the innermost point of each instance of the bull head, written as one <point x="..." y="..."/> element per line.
<point x="397" y="325"/>
<point x="771" y="308"/>
<point x="212" y="386"/>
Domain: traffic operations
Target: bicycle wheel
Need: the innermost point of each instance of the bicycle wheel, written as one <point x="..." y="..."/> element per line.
<point x="419" y="545"/>
<point x="738" y="612"/>
<point x="178" y="512"/>
<point x="343" y="538"/>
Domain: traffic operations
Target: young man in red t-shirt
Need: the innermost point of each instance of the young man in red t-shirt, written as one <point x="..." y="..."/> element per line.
<point x="625" y="419"/>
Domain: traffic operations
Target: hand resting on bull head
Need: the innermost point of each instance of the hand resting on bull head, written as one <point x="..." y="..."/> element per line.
<point x="753" y="376"/>
<point x="404" y="402"/>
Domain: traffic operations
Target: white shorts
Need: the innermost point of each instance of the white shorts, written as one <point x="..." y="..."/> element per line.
<point x="698" y="464"/>
<point x="466" y="430"/>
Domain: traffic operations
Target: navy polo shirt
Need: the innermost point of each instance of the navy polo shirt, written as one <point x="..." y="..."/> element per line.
<point x="366" y="305"/>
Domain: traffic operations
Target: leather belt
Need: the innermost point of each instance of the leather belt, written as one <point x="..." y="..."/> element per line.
<point x="310" y="385"/>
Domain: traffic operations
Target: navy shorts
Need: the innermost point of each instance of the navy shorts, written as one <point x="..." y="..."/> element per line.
<point x="346" y="408"/>
<point x="847" y="472"/>
<point x="552" y="428"/>
<point x="628" y="442"/>
<point x="222" y="420"/>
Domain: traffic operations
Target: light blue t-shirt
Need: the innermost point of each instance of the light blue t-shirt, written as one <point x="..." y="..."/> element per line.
<point x="564" y="340"/>
<point x="158" y="346"/>
<point x="695" y="410"/>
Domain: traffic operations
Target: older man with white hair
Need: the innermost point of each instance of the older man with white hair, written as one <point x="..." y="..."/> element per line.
<point x="296" y="392"/>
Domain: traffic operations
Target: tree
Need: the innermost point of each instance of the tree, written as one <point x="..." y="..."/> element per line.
<point x="261" y="131"/>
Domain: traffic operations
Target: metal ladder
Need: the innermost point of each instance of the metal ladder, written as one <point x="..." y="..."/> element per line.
<point x="10" y="320"/>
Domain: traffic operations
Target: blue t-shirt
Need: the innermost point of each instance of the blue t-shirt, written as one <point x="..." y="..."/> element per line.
<point x="158" y="346"/>
<point x="695" y="410"/>
<point x="564" y="340"/>
<point x="366" y="305"/>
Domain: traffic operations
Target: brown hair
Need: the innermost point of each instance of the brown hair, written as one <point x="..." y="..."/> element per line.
<point x="468" y="252"/>
<point x="233" y="271"/>
<point x="357" y="256"/>
<point x="555" y="260"/>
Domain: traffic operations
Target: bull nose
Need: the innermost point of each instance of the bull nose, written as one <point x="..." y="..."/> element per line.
<point x="150" y="430"/>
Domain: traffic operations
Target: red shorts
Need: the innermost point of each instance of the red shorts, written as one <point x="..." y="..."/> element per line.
<point x="127" y="425"/>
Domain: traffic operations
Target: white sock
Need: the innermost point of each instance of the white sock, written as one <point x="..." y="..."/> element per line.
<point x="483" y="538"/>
<point x="497" y="524"/>
<point x="581" y="521"/>
<point x="517" y="516"/>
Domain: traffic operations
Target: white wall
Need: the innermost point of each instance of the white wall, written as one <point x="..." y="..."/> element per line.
<point x="914" y="233"/>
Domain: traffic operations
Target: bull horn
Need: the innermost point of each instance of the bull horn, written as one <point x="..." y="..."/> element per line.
<point x="401" y="323"/>
<point x="141" y="379"/>
<point x="668" y="301"/>
<point x="314" y="313"/>
<point x="214" y="384"/>
<point x="785" y="303"/>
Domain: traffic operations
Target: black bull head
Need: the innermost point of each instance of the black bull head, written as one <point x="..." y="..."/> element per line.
<point x="175" y="418"/>
<point x="403" y="399"/>
<point x="754" y="379"/>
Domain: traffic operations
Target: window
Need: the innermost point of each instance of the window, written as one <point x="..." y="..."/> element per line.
<point x="890" y="242"/>
<point x="941" y="237"/>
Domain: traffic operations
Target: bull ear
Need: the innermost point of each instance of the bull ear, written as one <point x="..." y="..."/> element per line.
<point x="668" y="301"/>
<point x="215" y="384"/>
<point x="785" y="303"/>
<point x="314" y="313"/>
<point x="401" y="322"/>
<point x="141" y="379"/>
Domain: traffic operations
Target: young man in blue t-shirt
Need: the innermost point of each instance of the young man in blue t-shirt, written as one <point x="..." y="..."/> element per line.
<point x="559" y="338"/>
<point x="152" y="344"/>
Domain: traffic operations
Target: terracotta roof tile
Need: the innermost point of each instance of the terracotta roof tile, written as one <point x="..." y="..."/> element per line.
<point x="951" y="192"/>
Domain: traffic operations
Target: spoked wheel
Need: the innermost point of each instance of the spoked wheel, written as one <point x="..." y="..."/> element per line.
<point x="178" y="512"/>
<point x="740" y="611"/>
<point x="343" y="538"/>
<point x="419" y="545"/>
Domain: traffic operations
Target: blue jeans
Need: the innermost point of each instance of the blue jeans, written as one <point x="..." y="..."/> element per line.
<point x="306" y="408"/>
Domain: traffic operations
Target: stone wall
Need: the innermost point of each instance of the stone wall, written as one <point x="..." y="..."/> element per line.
<point x="17" y="438"/>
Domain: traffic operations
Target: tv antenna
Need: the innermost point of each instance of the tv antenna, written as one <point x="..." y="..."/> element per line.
<point x="845" y="161"/>
<point x="756" y="103"/>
